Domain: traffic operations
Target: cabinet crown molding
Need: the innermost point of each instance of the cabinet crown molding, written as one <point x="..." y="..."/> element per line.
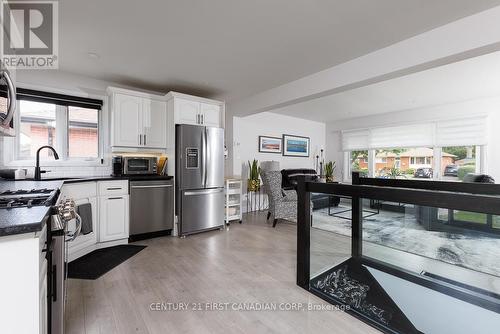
<point x="172" y="95"/>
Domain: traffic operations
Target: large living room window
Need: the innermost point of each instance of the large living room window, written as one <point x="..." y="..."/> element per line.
<point x="446" y="150"/>
<point x="69" y="124"/>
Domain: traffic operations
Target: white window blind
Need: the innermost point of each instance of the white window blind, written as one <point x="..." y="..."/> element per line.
<point x="462" y="132"/>
<point x="458" y="132"/>
<point x="415" y="135"/>
<point x="355" y="140"/>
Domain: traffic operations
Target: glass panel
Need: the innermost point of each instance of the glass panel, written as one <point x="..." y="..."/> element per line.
<point x="458" y="245"/>
<point x="37" y="128"/>
<point x="83" y="134"/>
<point x="404" y="163"/>
<point x="330" y="232"/>
<point x="458" y="161"/>
<point x="359" y="162"/>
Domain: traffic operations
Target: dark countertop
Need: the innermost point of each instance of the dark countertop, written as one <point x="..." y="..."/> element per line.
<point x="26" y="220"/>
<point x="124" y="177"/>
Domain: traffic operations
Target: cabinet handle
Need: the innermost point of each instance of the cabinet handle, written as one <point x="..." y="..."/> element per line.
<point x="111" y="198"/>
<point x="144" y="139"/>
<point x="114" y="188"/>
<point x="140" y="139"/>
<point x="198" y="119"/>
<point x="202" y="119"/>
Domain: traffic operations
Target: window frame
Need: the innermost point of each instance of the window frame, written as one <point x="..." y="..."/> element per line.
<point x="481" y="162"/>
<point x="12" y="144"/>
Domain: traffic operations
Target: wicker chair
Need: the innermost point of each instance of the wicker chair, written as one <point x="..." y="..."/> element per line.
<point x="282" y="203"/>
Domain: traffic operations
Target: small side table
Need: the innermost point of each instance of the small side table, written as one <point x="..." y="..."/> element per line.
<point x="233" y="210"/>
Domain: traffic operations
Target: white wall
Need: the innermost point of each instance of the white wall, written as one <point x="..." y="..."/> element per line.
<point x="246" y="131"/>
<point x="489" y="106"/>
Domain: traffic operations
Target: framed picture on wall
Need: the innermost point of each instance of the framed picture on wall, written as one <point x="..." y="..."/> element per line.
<point x="296" y="146"/>
<point x="270" y="144"/>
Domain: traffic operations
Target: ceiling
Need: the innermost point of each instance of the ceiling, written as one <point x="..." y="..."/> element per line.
<point x="232" y="49"/>
<point x="470" y="79"/>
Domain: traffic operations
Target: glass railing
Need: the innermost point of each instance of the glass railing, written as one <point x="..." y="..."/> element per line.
<point x="407" y="260"/>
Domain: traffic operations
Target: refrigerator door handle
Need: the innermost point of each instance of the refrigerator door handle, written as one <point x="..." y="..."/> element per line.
<point x="203" y="159"/>
<point x="203" y="192"/>
<point x="206" y="156"/>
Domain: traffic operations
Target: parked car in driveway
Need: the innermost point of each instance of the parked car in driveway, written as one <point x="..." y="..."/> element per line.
<point x="451" y="170"/>
<point x="423" y="172"/>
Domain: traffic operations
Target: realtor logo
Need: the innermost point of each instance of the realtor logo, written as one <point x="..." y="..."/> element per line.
<point x="29" y="34"/>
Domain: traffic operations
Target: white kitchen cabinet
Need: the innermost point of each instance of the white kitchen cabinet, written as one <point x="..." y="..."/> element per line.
<point x="187" y="112"/>
<point x="23" y="301"/>
<point x="193" y="110"/>
<point x="113" y="217"/>
<point x="43" y="301"/>
<point x="138" y="120"/>
<point x="127" y="120"/>
<point x="155" y="123"/>
<point x="210" y="114"/>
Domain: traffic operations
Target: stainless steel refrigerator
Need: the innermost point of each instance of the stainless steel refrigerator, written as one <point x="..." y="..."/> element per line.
<point x="199" y="181"/>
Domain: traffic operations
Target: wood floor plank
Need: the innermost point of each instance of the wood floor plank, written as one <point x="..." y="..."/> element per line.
<point x="249" y="263"/>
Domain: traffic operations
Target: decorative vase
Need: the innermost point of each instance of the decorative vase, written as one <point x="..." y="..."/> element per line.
<point x="330" y="179"/>
<point x="253" y="185"/>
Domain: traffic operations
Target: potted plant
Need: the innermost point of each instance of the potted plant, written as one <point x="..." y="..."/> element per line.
<point x="329" y="170"/>
<point x="254" y="173"/>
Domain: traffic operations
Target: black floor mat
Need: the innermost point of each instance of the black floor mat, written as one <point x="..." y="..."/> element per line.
<point x="100" y="261"/>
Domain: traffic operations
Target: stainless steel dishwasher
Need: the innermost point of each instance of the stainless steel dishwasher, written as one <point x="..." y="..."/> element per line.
<point x="151" y="208"/>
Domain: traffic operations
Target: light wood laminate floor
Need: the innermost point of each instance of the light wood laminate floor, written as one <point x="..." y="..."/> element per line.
<point x="249" y="263"/>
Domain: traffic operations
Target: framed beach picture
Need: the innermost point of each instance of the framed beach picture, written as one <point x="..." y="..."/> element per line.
<point x="295" y="146"/>
<point x="270" y="144"/>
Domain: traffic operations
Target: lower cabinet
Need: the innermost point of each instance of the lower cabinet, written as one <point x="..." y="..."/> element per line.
<point x="43" y="301"/>
<point x="113" y="217"/>
<point x="109" y="201"/>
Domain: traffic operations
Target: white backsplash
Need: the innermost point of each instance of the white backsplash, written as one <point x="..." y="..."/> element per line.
<point x="67" y="171"/>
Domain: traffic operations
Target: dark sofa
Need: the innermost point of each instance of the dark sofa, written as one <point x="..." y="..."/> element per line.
<point x="289" y="180"/>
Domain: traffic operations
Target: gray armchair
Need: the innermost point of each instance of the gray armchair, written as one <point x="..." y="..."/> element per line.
<point x="282" y="204"/>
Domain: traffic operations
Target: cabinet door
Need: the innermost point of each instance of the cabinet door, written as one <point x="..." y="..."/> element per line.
<point x="43" y="307"/>
<point x="211" y="114"/>
<point x="113" y="218"/>
<point x="127" y="120"/>
<point x="187" y="112"/>
<point x="155" y="123"/>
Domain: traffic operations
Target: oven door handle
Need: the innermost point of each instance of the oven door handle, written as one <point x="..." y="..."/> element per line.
<point x="78" y="228"/>
<point x="11" y="98"/>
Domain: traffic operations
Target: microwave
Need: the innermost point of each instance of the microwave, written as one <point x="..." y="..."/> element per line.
<point x="7" y="103"/>
<point x="134" y="165"/>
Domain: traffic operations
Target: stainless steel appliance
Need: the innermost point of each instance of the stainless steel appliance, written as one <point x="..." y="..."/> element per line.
<point x="7" y="103"/>
<point x="151" y="208"/>
<point x="199" y="178"/>
<point x="57" y="258"/>
<point x="139" y="165"/>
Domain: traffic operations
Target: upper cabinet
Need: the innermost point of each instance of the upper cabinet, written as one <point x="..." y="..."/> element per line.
<point x="137" y="120"/>
<point x="193" y="110"/>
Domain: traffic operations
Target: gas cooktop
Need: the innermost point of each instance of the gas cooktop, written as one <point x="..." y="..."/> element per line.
<point x="27" y="198"/>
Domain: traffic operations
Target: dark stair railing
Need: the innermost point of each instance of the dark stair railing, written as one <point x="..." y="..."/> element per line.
<point x="373" y="305"/>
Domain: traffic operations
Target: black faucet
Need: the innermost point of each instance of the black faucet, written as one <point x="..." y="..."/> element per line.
<point x="38" y="171"/>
